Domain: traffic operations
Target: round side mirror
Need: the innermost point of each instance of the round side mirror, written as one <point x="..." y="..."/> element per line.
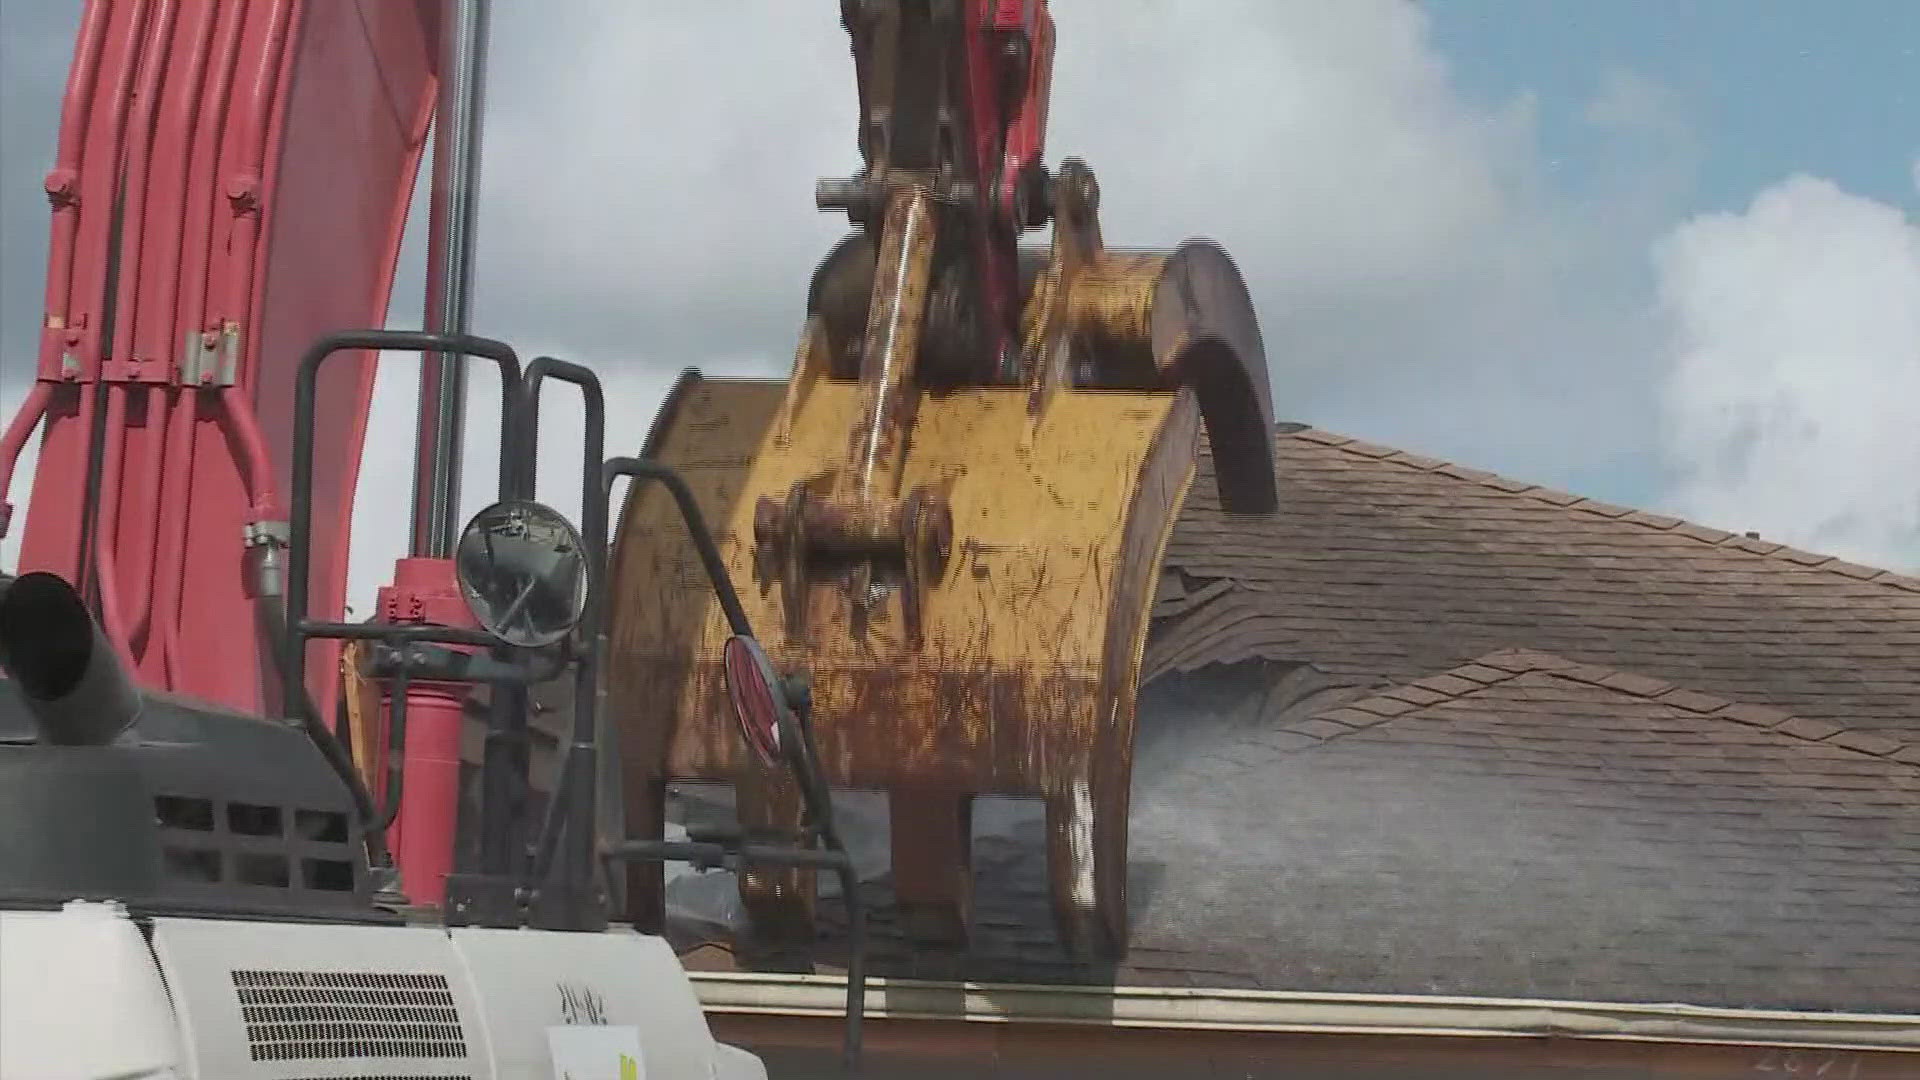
<point x="522" y="568"/>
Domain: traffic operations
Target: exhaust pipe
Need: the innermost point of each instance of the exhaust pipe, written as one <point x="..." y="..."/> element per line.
<point x="52" y="648"/>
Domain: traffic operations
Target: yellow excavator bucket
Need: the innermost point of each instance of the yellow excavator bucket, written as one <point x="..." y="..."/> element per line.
<point x="993" y="648"/>
<point x="952" y="515"/>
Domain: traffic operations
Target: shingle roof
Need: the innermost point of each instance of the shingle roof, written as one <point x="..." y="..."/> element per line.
<point x="1523" y="825"/>
<point x="1496" y="679"/>
<point x="1386" y="566"/>
<point x="1431" y="731"/>
<point x="1552" y="830"/>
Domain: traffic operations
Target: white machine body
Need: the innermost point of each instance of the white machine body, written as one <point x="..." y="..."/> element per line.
<point x="86" y="993"/>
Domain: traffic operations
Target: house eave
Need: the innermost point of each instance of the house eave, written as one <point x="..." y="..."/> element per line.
<point x="1197" y="1009"/>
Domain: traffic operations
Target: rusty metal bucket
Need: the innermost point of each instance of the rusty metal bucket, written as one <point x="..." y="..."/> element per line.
<point x="1008" y="668"/>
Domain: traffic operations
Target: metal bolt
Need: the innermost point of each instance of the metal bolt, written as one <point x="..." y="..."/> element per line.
<point x="60" y="189"/>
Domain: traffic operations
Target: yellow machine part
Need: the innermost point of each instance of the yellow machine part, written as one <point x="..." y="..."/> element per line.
<point x="1041" y="542"/>
<point x="1024" y="682"/>
<point x="1060" y="498"/>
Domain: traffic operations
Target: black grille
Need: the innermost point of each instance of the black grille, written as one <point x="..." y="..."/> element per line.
<point x="254" y="848"/>
<point x="296" y="1015"/>
<point x="197" y="810"/>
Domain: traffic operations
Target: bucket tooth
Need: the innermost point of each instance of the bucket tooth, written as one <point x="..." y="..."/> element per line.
<point x="933" y="865"/>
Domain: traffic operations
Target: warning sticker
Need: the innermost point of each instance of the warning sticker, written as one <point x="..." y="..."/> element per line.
<point x="596" y="1052"/>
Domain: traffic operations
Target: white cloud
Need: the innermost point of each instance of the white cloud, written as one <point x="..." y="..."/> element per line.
<point x="1324" y="142"/>
<point x="1795" y="351"/>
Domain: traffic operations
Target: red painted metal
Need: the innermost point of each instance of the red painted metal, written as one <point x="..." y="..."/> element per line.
<point x="82" y="192"/>
<point x="1008" y="44"/>
<point x="1026" y="138"/>
<point x="60" y="509"/>
<point x="104" y="565"/>
<point x="247" y="165"/>
<point x="200" y="239"/>
<point x="350" y="138"/>
<point x="426" y="591"/>
<point x="154" y="318"/>
<point x="260" y="155"/>
<point x="167" y="547"/>
<point x="423" y="836"/>
<point x="117" y="492"/>
<point x="63" y="180"/>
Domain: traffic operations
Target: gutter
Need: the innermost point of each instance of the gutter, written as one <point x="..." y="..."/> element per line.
<point x="1253" y="1011"/>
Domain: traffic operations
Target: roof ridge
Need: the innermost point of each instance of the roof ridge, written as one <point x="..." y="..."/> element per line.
<point x="1503" y="665"/>
<point x="1567" y="501"/>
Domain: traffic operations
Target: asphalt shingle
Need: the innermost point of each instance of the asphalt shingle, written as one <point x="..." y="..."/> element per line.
<point x="1388" y="565"/>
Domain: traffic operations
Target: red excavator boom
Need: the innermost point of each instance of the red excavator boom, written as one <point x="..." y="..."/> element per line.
<point x="231" y="182"/>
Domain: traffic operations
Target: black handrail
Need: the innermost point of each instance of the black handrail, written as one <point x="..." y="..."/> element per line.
<point x="638" y="469"/>
<point x="579" y="777"/>
<point x="297" y="629"/>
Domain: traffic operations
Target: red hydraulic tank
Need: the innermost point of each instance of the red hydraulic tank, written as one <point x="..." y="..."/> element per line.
<point x="422" y="838"/>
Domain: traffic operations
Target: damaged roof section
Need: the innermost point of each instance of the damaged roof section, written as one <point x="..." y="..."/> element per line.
<point x="1430" y="731"/>
<point x="1527" y="825"/>
<point x="1530" y="828"/>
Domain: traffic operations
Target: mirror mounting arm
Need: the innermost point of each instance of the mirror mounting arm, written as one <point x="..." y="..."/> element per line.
<point x="637" y="469"/>
<point x="437" y="663"/>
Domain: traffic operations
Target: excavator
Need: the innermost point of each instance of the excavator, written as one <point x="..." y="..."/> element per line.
<point x="215" y="863"/>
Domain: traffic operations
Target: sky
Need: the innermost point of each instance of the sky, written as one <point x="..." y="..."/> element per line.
<point x="1661" y="255"/>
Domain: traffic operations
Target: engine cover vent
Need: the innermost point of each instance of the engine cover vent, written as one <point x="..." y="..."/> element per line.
<point x="302" y="1015"/>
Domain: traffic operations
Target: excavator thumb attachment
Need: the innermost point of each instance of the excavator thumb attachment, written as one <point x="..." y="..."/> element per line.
<point x="991" y="647"/>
